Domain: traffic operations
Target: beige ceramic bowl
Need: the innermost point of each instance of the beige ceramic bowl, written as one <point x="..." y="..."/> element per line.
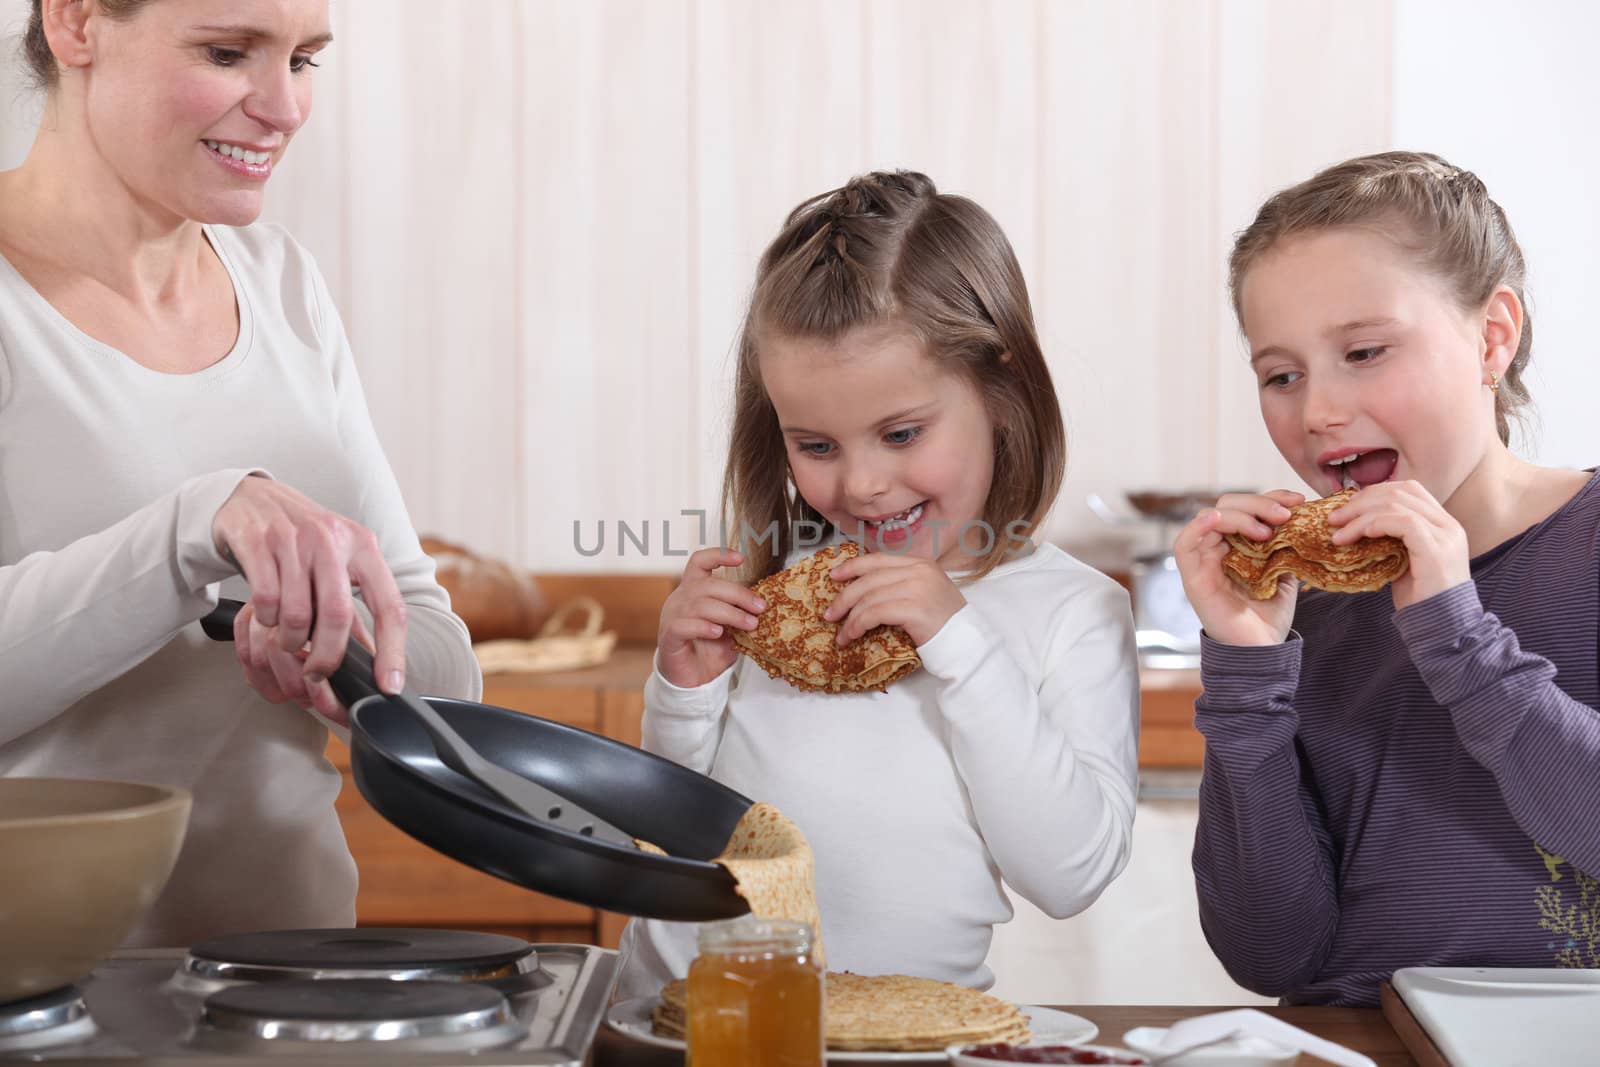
<point x="80" y="861"/>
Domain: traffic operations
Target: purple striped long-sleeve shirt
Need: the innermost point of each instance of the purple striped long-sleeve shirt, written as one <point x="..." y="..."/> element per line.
<point x="1411" y="788"/>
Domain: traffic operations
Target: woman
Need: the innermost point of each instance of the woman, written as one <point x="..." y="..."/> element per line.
<point x="180" y="417"/>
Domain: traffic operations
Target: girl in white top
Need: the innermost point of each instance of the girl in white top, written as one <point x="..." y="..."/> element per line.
<point x="167" y="372"/>
<point x="891" y="389"/>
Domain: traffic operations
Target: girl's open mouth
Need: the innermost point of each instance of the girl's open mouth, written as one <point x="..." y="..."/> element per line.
<point x="896" y="528"/>
<point x="1362" y="468"/>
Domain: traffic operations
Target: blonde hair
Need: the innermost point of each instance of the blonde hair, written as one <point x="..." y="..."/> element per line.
<point x="887" y="248"/>
<point x="1447" y="222"/>
<point x="36" y="47"/>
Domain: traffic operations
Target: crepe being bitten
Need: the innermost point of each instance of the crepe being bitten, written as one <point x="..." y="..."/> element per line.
<point x="884" y="1013"/>
<point x="1303" y="546"/>
<point x="794" y="642"/>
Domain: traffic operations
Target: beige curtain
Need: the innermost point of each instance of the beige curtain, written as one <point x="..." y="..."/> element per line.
<point x="540" y="219"/>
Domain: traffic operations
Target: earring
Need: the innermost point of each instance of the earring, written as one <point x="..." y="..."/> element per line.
<point x="1494" y="382"/>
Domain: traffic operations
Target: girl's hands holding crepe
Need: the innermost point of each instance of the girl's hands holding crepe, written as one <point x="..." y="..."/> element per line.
<point x="882" y="589"/>
<point x="692" y="644"/>
<point x="1226" y="610"/>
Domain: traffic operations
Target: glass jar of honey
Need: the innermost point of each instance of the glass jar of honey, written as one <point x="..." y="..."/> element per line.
<point x="755" y="996"/>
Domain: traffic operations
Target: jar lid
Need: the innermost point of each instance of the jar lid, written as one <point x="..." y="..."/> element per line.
<point x="749" y="934"/>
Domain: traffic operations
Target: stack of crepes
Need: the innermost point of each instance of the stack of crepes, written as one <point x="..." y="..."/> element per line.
<point x="885" y="1013"/>
<point x="1303" y="547"/>
<point x="794" y="642"/>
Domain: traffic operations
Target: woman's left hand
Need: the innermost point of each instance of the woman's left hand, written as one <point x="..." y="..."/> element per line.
<point x="881" y="589"/>
<point x="1433" y="538"/>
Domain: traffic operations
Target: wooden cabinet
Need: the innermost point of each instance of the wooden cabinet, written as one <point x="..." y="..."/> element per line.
<point x="406" y="883"/>
<point x="1167" y="737"/>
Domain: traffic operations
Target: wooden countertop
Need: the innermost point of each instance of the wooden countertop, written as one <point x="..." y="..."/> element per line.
<point x="1167" y="739"/>
<point x="1362" y="1029"/>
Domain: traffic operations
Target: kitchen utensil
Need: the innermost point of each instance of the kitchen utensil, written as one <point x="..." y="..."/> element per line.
<point x="1262" y="1040"/>
<point x="401" y="774"/>
<point x="527" y="796"/>
<point x="1167" y="629"/>
<point x="83" y="860"/>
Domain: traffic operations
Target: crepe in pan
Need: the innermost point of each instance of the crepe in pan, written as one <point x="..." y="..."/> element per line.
<point x="794" y="642"/>
<point x="1303" y="546"/>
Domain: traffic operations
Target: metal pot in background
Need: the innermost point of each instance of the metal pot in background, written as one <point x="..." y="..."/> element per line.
<point x="1168" y="629"/>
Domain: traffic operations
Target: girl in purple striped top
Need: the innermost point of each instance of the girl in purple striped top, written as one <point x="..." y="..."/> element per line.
<point x="1409" y="776"/>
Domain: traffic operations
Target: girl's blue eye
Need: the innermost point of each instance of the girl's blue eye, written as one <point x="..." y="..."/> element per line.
<point x="814" y="448"/>
<point x="1280" y="380"/>
<point x="903" y="437"/>
<point x="1366" y="355"/>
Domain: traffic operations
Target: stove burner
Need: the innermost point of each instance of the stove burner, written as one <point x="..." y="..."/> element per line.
<point x="55" y="1017"/>
<point x="374" y="952"/>
<point x="359" y="1009"/>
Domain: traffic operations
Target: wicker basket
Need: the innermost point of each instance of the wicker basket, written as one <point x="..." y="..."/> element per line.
<point x="553" y="650"/>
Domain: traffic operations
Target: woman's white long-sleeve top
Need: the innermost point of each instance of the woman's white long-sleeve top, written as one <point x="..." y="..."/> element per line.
<point x="110" y="476"/>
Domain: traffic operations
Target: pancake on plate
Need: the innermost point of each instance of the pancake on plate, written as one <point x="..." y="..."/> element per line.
<point x="884" y="1013"/>
<point x="1303" y="546"/>
<point x="794" y="642"/>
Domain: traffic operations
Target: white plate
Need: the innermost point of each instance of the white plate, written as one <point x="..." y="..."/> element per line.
<point x="632" y="1018"/>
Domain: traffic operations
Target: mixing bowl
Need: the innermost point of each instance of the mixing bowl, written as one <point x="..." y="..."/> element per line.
<point x="81" y="860"/>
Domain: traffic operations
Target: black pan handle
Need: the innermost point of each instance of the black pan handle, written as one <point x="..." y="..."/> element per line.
<point x="219" y="624"/>
<point x="352" y="680"/>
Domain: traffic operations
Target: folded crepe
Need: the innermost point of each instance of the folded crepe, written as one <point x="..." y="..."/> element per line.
<point x="774" y="869"/>
<point x="794" y="642"/>
<point x="1303" y="546"/>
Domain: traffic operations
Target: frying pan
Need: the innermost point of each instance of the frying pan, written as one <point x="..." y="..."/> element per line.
<point x="396" y="768"/>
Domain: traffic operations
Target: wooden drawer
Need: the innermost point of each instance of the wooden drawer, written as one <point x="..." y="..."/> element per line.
<point x="1167" y="737"/>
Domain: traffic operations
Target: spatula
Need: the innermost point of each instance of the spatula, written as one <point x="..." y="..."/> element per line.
<point x="354" y="678"/>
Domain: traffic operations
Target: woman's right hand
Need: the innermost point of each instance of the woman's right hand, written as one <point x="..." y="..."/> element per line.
<point x="693" y="645"/>
<point x="280" y="676"/>
<point x="301" y="560"/>
<point x="1226" y="610"/>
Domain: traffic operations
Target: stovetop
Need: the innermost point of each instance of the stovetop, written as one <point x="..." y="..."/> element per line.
<point x="538" y="1004"/>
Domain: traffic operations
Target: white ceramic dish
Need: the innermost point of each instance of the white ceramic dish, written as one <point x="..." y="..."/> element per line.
<point x="1491" y="1016"/>
<point x="1245" y="1050"/>
<point x="1050" y="1027"/>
